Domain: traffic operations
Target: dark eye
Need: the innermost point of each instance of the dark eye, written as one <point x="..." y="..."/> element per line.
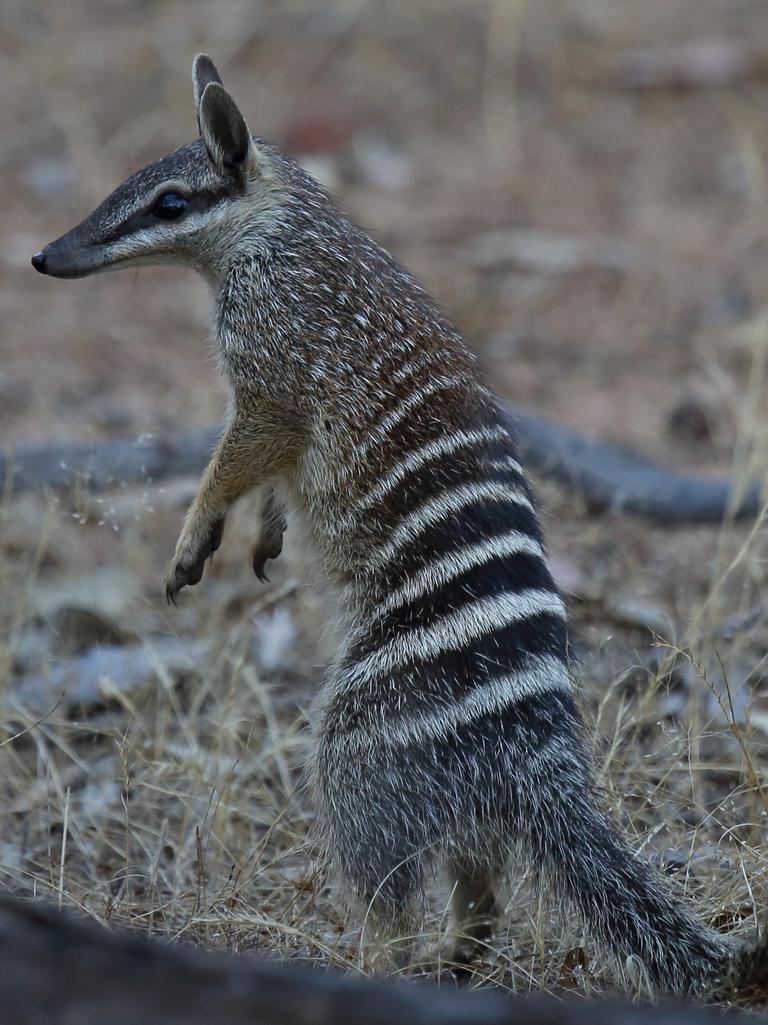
<point x="170" y="206"/>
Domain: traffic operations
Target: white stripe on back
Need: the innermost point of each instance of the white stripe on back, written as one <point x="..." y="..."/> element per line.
<point x="414" y="399"/>
<point x="433" y="450"/>
<point x="544" y="673"/>
<point x="467" y="623"/>
<point x="501" y="464"/>
<point x="440" y="571"/>
<point x="436" y="509"/>
<point x="406" y="370"/>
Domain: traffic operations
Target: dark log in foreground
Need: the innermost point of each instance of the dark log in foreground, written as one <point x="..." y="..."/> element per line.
<point x="58" y="970"/>
<point x="604" y="476"/>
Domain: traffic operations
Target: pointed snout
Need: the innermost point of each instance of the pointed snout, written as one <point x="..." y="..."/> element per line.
<point x="67" y="257"/>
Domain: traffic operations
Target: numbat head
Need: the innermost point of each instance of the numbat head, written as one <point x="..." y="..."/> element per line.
<point x="447" y="732"/>
<point x="202" y="205"/>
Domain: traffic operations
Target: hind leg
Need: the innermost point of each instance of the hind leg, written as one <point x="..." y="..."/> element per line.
<point x="392" y="915"/>
<point x="375" y="848"/>
<point x="386" y="885"/>
<point x="475" y="909"/>
<point x="385" y="875"/>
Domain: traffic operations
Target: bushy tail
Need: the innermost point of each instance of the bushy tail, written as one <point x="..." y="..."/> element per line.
<point x="626" y="906"/>
<point x="747" y="972"/>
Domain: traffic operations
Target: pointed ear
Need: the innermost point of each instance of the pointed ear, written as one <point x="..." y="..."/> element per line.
<point x="223" y="128"/>
<point x="203" y="72"/>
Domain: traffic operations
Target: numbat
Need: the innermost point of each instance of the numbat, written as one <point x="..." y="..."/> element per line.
<point x="447" y="731"/>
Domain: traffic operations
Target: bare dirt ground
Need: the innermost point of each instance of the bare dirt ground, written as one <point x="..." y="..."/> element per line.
<point x="584" y="186"/>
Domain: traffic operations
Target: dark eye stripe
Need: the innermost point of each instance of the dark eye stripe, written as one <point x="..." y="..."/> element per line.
<point x="199" y="202"/>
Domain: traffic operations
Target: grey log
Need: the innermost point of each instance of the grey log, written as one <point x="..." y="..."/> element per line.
<point x="604" y="477"/>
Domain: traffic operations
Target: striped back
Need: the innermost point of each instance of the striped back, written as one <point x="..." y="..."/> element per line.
<point x="457" y="615"/>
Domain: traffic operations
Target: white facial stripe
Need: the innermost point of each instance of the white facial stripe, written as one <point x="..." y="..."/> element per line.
<point x="145" y="240"/>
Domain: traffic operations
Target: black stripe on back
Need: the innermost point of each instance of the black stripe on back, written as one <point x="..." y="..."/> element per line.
<point x="473" y="763"/>
<point x="502" y="574"/>
<point x="423" y="688"/>
<point x="470" y="525"/>
<point x="466" y="465"/>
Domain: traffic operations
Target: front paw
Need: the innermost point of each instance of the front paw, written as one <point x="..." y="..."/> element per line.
<point x="190" y="558"/>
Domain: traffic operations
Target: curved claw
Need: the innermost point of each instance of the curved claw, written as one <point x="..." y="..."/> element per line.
<point x="183" y="576"/>
<point x="263" y="552"/>
<point x="214" y="541"/>
<point x="190" y="572"/>
<point x="259" y="560"/>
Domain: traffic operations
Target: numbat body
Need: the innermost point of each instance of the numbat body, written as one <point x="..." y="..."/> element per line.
<point x="447" y="731"/>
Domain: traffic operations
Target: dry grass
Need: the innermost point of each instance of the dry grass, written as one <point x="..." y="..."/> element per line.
<point x="170" y="800"/>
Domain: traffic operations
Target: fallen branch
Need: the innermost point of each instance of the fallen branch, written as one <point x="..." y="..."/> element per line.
<point x="604" y="476"/>
<point x="58" y="969"/>
<point x="105" y="464"/>
<point x="610" y="478"/>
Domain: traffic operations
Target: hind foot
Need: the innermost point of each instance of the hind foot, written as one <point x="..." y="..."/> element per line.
<point x="476" y="913"/>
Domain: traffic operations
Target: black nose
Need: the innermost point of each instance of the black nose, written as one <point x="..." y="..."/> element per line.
<point x="38" y="262"/>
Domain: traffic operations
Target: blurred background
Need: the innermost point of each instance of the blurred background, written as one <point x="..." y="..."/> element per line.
<point x="582" y="183"/>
